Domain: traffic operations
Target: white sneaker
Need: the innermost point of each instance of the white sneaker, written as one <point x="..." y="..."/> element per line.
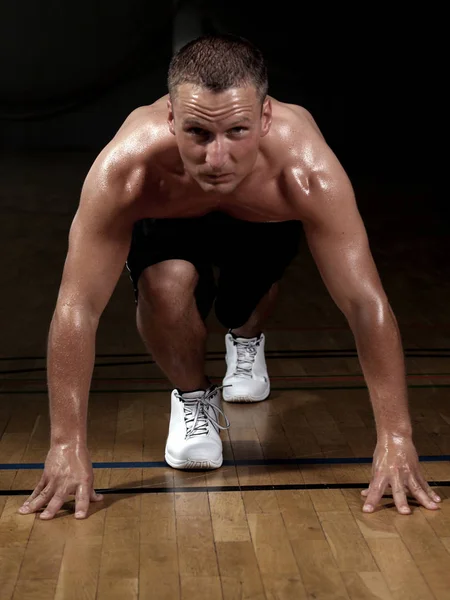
<point x="194" y="441"/>
<point x="246" y="370"/>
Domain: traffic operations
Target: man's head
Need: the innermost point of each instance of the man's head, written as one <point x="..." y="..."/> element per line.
<point x="218" y="108"/>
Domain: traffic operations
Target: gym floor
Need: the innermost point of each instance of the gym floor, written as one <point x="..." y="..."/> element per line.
<point x="282" y="518"/>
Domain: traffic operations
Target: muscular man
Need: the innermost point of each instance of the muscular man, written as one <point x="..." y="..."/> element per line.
<point x="217" y="173"/>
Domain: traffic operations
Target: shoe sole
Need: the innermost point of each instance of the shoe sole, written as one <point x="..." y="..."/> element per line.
<point x="204" y="465"/>
<point x="244" y="399"/>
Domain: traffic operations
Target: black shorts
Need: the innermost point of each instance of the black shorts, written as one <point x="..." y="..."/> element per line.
<point x="249" y="257"/>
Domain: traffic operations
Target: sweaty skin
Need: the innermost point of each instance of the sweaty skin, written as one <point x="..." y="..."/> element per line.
<point x="208" y="151"/>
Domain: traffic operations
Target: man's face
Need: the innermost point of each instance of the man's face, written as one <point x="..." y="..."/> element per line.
<point x="218" y="134"/>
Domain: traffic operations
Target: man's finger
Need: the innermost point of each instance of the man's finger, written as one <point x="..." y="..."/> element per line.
<point x="54" y="505"/>
<point x="420" y="494"/>
<point x="428" y="489"/>
<point x="39" y="501"/>
<point x="399" y="495"/>
<point x="82" y="497"/>
<point x="37" y="490"/>
<point x="96" y="497"/>
<point x="374" y="495"/>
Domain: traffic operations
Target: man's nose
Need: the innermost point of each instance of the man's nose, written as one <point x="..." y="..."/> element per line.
<point x="216" y="155"/>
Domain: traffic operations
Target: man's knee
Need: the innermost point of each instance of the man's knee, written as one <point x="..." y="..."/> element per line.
<point x="171" y="282"/>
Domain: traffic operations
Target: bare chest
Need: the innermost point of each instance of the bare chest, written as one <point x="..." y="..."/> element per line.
<point x="262" y="201"/>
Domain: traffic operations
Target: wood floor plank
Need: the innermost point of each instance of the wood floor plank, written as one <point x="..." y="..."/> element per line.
<point x="102" y="426"/>
<point x="79" y="572"/>
<point x="120" y="549"/>
<point x="159" y="577"/>
<point x="226" y="475"/>
<point x="402" y="575"/>
<point x="6" y="480"/>
<point x="319" y="572"/>
<point x="129" y="440"/>
<point x="300" y="437"/>
<point x="284" y="588"/>
<point x="118" y="589"/>
<point x="245" y="443"/>
<point x="158" y="518"/>
<point x="324" y="427"/>
<point x="228" y="517"/>
<point x="299" y="516"/>
<point x="197" y="557"/>
<point x="192" y="504"/>
<point x="26" y="479"/>
<point x="446" y="542"/>
<point x="11" y="558"/>
<point x="35" y="589"/>
<point x="257" y="501"/>
<point x="366" y="586"/>
<point x="13" y="446"/>
<point x="272" y="546"/>
<point x="124" y="505"/>
<point x="15" y="528"/>
<point x="347" y="544"/>
<point x="42" y="560"/>
<point x="427" y="550"/>
<point x="272" y="436"/>
<point x="239" y="571"/>
<point x="201" y="587"/>
<point x="329" y="500"/>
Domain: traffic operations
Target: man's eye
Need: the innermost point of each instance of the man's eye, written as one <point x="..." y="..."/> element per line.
<point x="197" y="131"/>
<point x="238" y="129"/>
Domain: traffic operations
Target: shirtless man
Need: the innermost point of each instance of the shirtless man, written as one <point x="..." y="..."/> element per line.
<point x="216" y="172"/>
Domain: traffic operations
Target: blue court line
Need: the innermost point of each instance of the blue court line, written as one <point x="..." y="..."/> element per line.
<point x="226" y="463"/>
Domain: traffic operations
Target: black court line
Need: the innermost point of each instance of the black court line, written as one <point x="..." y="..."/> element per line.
<point x="225" y="488"/>
<point x="210" y="352"/>
<point x="270" y="355"/>
<point x="258" y="462"/>
<point x="279" y="389"/>
<point x="149" y="379"/>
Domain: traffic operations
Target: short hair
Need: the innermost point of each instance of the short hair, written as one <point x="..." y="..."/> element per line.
<point x="217" y="63"/>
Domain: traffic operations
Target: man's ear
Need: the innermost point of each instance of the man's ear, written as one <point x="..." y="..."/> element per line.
<point x="266" y="116"/>
<point x="170" y="117"/>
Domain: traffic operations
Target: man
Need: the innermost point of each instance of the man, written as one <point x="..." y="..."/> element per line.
<point x="216" y="173"/>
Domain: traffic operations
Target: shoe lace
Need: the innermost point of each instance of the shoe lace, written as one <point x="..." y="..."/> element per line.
<point x="197" y="415"/>
<point x="246" y="354"/>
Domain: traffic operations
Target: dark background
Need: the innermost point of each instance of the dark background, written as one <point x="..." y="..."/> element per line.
<point x="72" y="72"/>
<point x="370" y="74"/>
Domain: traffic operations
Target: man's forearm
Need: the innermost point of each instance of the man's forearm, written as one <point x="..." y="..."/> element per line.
<point x="71" y="356"/>
<point x="381" y="357"/>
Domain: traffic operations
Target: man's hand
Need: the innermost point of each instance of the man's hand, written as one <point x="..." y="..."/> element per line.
<point x="395" y="463"/>
<point x="68" y="470"/>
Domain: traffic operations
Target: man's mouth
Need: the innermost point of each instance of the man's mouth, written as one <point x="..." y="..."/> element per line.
<point x="218" y="177"/>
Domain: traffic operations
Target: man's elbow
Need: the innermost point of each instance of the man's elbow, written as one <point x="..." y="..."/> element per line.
<point x="373" y="311"/>
<point x="76" y="314"/>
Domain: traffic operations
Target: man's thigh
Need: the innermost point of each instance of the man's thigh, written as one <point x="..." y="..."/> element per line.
<point x="157" y="240"/>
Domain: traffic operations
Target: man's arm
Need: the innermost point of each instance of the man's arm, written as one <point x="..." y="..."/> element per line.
<point x="338" y="242"/>
<point x="339" y="245"/>
<point x="99" y="241"/>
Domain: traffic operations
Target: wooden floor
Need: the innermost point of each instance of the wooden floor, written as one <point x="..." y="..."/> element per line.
<point x="282" y="518"/>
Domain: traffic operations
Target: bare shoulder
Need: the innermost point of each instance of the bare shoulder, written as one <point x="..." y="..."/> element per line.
<point x="311" y="171"/>
<point x="130" y="160"/>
